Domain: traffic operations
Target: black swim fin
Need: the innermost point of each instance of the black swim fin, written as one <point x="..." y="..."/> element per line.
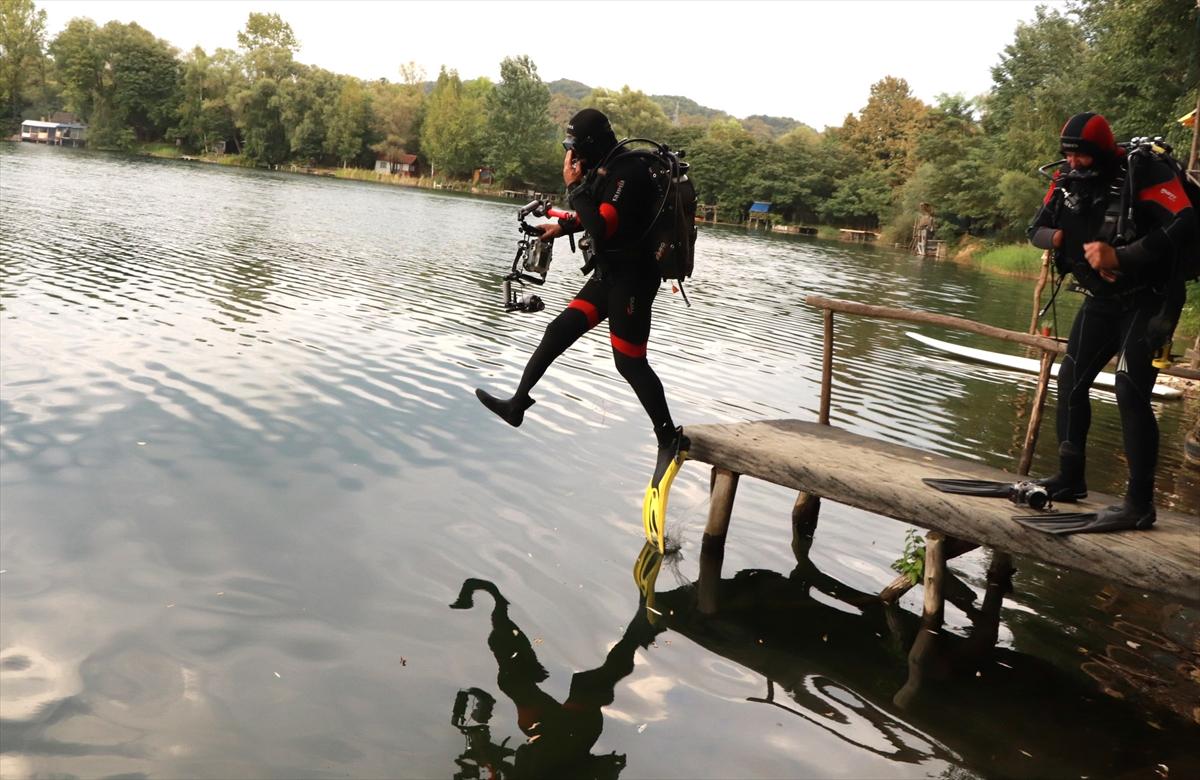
<point x="1119" y="517"/>
<point x="971" y="487"/>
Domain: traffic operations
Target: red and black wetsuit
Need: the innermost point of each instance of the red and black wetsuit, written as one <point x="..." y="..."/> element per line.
<point x="1114" y="318"/>
<point x="615" y="205"/>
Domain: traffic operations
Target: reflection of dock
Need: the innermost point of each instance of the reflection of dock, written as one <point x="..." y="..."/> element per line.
<point x="879" y="679"/>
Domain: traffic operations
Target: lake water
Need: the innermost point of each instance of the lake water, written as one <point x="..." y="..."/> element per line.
<point x="244" y="476"/>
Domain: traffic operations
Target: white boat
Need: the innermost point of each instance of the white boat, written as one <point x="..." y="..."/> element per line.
<point x="1105" y="379"/>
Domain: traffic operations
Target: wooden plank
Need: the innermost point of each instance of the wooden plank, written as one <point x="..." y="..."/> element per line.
<point x="885" y="478"/>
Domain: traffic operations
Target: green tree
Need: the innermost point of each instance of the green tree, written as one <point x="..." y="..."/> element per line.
<point x="22" y="40"/>
<point x="399" y="109"/>
<point x="267" y="31"/>
<point x="522" y="138"/>
<point x="1141" y="82"/>
<point x="207" y="86"/>
<point x="119" y="78"/>
<point x="268" y="43"/>
<point x="725" y="163"/>
<point x="1038" y="83"/>
<point x="632" y="113"/>
<point x="349" y="138"/>
<point x="453" y="134"/>
<point x="884" y="135"/>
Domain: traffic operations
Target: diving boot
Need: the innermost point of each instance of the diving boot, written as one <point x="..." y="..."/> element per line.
<point x="672" y="452"/>
<point x="1068" y="485"/>
<point x="1124" y="516"/>
<point x="1063" y="491"/>
<point x="511" y="410"/>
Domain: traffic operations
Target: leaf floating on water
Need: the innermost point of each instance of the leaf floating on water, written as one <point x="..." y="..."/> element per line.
<point x="641" y="728"/>
<point x="514" y="655"/>
<point x="1163" y="770"/>
<point x="1132" y="645"/>
<point x="516" y="632"/>
<point x="1024" y="753"/>
<point x="1006" y="666"/>
<point x="141" y="444"/>
<point x="171" y="605"/>
<point x="535" y="738"/>
<point x="280" y="676"/>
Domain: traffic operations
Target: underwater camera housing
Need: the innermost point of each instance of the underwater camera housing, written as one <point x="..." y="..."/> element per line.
<point x="532" y="261"/>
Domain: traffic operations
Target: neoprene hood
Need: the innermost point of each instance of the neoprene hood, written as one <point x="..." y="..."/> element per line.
<point x="590" y="133"/>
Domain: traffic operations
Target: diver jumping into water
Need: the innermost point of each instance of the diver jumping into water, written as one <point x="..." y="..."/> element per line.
<point x="615" y="202"/>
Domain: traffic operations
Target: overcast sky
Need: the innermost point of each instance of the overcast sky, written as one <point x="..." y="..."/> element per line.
<point x="813" y="61"/>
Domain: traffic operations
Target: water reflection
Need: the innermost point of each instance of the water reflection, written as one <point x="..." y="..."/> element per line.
<point x="882" y="682"/>
<point x="559" y="736"/>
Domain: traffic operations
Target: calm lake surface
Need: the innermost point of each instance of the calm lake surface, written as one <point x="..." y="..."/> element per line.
<point x="244" y="476"/>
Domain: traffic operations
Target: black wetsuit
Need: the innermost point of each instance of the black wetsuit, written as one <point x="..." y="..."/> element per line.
<point x="614" y="206"/>
<point x="1114" y="318"/>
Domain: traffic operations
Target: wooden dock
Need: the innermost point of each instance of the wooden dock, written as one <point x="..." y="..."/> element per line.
<point x="885" y="479"/>
<point x="821" y="461"/>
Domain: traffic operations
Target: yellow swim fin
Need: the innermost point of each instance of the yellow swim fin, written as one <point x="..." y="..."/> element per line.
<point x="645" y="573"/>
<point x="654" y="504"/>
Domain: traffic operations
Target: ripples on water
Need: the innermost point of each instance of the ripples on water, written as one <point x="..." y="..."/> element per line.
<point x="243" y="476"/>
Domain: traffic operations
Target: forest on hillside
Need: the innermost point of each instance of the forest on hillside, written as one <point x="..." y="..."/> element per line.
<point x="973" y="157"/>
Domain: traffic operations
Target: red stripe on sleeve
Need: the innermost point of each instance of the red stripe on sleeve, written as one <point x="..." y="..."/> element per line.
<point x="1169" y="195"/>
<point x="589" y="311"/>
<point x="609" y="212"/>
<point x="627" y="348"/>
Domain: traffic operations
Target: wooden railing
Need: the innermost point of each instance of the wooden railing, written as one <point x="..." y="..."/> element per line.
<point x="1048" y="346"/>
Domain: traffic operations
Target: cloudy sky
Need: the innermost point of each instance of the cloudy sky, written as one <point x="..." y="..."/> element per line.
<point x="813" y="61"/>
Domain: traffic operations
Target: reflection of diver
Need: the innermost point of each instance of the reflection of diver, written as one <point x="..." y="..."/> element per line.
<point x="559" y="736"/>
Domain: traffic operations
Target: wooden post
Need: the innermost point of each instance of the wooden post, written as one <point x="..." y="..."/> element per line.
<point x="804" y="523"/>
<point x="1043" y="277"/>
<point x="712" y="546"/>
<point x="935" y="578"/>
<point x="953" y="548"/>
<point x="720" y="507"/>
<point x="1196" y="353"/>
<point x="826" y="369"/>
<point x="1035" y="415"/>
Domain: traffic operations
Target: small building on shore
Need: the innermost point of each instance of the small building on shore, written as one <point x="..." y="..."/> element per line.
<point x="401" y="164"/>
<point x="758" y="215"/>
<point x="55" y="133"/>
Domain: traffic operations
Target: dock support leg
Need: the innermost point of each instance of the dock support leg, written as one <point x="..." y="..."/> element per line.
<point x="804" y="524"/>
<point x="712" y="546"/>
<point x="923" y="648"/>
<point x="902" y="584"/>
<point x="935" y="579"/>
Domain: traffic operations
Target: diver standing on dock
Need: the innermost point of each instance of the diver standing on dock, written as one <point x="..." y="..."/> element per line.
<point x="1127" y="270"/>
<point x="615" y="203"/>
